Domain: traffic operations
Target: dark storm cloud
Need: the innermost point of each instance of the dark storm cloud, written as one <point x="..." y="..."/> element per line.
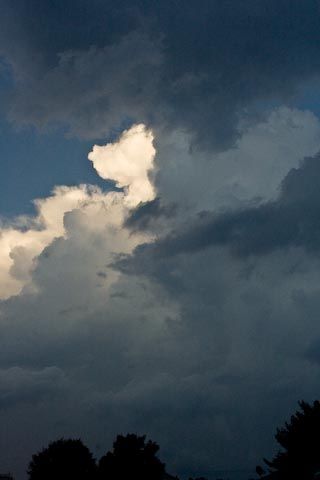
<point x="149" y="213"/>
<point x="195" y="65"/>
<point x="19" y="385"/>
<point x="293" y="220"/>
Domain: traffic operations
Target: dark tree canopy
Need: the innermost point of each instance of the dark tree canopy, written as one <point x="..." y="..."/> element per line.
<point x="64" y="459"/>
<point x="133" y="458"/>
<point x="299" y="458"/>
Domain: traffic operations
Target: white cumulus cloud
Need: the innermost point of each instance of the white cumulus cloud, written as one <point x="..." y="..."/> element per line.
<point x="127" y="162"/>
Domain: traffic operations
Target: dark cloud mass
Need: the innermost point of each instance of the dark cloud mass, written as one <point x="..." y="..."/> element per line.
<point x="182" y="301"/>
<point x="146" y="216"/>
<point x="197" y="66"/>
<point x="290" y="221"/>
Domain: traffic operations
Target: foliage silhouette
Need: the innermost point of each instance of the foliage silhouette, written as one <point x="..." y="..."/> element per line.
<point x="64" y="459"/>
<point x="260" y="471"/>
<point x="133" y="458"/>
<point x="299" y="458"/>
<point x="197" y="478"/>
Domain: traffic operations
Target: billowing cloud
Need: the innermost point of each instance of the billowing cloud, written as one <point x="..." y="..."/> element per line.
<point x="23" y="242"/>
<point x="127" y="162"/>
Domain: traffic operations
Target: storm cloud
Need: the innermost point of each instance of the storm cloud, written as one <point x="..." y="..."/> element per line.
<point x="180" y="297"/>
<point x="290" y="221"/>
<point x="200" y="67"/>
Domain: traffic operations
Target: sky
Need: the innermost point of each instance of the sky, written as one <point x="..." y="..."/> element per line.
<point x="159" y="225"/>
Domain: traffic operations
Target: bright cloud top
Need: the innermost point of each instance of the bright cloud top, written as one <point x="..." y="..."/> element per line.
<point x="127" y="162"/>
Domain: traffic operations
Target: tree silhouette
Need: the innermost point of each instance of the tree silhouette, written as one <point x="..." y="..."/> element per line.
<point x="64" y="459"/>
<point x="260" y="471"/>
<point x="133" y="458"/>
<point x="197" y="478"/>
<point x="299" y="458"/>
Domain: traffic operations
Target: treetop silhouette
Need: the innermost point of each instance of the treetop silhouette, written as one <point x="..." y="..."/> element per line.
<point x="299" y="458"/>
<point x="132" y="457"/>
<point x="63" y="459"/>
